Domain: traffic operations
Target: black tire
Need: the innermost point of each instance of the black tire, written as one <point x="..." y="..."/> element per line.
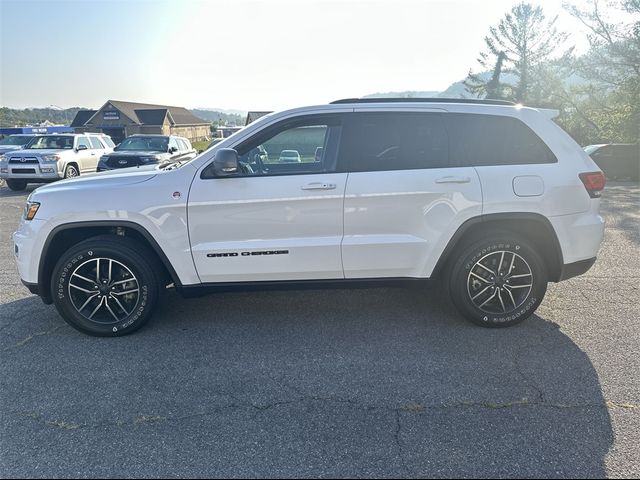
<point x="470" y="284"/>
<point x="71" y="172"/>
<point x="16" y="185"/>
<point x="131" y="268"/>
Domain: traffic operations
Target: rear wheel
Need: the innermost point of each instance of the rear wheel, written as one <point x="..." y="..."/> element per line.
<point x="16" y="185"/>
<point x="105" y="286"/>
<point x="498" y="282"/>
<point x="71" y="171"/>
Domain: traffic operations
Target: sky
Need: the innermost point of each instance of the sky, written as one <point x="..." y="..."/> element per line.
<point x="240" y="54"/>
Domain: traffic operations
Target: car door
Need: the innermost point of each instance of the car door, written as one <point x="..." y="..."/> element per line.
<point x="97" y="149"/>
<point x="85" y="155"/>
<point x="188" y="152"/>
<point x="403" y="201"/>
<point x="273" y="221"/>
<point x="174" y="149"/>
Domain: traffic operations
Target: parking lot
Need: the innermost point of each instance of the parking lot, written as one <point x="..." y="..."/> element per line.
<point x="331" y="383"/>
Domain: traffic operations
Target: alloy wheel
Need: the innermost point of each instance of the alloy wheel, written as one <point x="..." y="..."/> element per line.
<point x="500" y="282"/>
<point x="103" y="290"/>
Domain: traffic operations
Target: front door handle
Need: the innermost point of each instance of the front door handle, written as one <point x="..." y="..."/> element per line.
<point x="452" y="179"/>
<point x="319" y="186"/>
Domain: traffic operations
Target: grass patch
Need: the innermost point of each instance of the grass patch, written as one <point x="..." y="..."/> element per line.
<point x="201" y="145"/>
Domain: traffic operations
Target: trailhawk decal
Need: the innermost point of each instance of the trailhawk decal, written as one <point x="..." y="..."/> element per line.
<point x="248" y="254"/>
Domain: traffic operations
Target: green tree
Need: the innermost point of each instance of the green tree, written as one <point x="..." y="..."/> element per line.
<point x="519" y="44"/>
<point x="609" y="104"/>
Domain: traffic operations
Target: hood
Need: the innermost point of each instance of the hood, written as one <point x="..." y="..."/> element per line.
<point x="8" y="148"/>
<point x="40" y="151"/>
<point x="95" y="181"/>
<point x="135" y="153"/>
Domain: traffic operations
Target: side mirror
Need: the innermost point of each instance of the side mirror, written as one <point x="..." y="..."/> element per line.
<point x="225" y="163"/>
<point x="81" y="147"/>
<point x="173" y="149"/>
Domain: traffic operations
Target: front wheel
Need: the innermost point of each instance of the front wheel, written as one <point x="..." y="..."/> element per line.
<point x="71" y="172"/>
<point x="16" y="185"/>
<point x="498" y="282"/>
<point x="105" y="286"/>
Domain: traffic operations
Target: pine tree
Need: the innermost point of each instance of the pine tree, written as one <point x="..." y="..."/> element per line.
<point x="522" y="40"/>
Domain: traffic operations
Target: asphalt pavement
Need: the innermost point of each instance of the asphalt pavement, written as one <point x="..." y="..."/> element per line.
<point x="380" y="382"/>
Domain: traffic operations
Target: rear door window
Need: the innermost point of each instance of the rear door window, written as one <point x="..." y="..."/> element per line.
<point x="95" y="143"/>
<point x="393" y="141"/>
<point x="182" y="144"/>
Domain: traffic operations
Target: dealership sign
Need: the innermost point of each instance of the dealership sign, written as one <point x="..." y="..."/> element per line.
<point x="111" y="115"/>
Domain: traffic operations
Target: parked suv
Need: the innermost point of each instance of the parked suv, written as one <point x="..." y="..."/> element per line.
<point x="138" y="150"/>
<point x="617" y="160"/>
<point x="47" y="158"/>
<point x="490" y="199"/>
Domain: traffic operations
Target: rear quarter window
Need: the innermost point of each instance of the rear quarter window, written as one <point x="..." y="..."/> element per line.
<point x="481" y="140"/>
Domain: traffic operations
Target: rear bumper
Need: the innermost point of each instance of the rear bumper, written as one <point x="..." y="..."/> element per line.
<point x="574" y="269"/>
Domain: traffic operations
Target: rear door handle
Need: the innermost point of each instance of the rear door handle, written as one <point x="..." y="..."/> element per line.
<point x="319" y="186"/>
<point x="451" y="179"/>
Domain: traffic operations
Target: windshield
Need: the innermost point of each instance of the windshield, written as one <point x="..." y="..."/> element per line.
<point x="15" y="140"/>
<point x="53" y="142"/>
<point x="147" y="144"/>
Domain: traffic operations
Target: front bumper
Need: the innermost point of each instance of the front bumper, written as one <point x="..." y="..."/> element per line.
<point x="32" y="173"/>
<point x="574" y="269"/>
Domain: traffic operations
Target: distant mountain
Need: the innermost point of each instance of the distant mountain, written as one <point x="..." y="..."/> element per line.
<point x="458" y="90"/>
<point x="10" y="117"/>
<point x="242" y="113"/>
<point x="405" y="94"/>
<point x="455" y="90"/>
<point x="220" y="117"/>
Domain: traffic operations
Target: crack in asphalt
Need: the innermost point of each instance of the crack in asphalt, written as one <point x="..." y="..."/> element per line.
<point x="414" y="409"/>
<point x="29" y="338"/>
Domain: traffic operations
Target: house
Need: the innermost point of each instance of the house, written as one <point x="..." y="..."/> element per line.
<point x="120" y="119"/>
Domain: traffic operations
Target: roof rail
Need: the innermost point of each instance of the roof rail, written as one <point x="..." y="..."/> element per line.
<point x="425" y="100"/>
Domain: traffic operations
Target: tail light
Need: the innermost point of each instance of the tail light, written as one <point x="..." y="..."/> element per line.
<point x="593" y="182"/>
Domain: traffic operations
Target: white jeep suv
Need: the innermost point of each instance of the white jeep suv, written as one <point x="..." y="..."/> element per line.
<point x="493" y="198"/>
<point x="47" y="158"/>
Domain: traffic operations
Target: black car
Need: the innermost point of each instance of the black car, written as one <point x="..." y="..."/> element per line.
<point x="139" y="150"/>
<point x="617" y="160"/>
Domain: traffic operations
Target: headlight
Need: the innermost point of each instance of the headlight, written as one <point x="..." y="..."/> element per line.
<point x="50" y="158"/>
<point x="148" y="159"/>
<point x="104" y="158"/>
<point x="30" y="210"/>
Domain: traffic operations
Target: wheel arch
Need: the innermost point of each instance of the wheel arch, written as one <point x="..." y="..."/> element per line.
<point x="64" y="236"/>
<point x="72" y="163"/>
<point x="534" y="227"/>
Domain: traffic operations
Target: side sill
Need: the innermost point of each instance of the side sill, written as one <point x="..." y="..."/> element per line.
<point x="190" y="291"/>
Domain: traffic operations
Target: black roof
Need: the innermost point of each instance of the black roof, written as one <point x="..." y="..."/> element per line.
<point x="425" y="100"/>
<point x="81" y="117"/>
<point x="152" y="116"/>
